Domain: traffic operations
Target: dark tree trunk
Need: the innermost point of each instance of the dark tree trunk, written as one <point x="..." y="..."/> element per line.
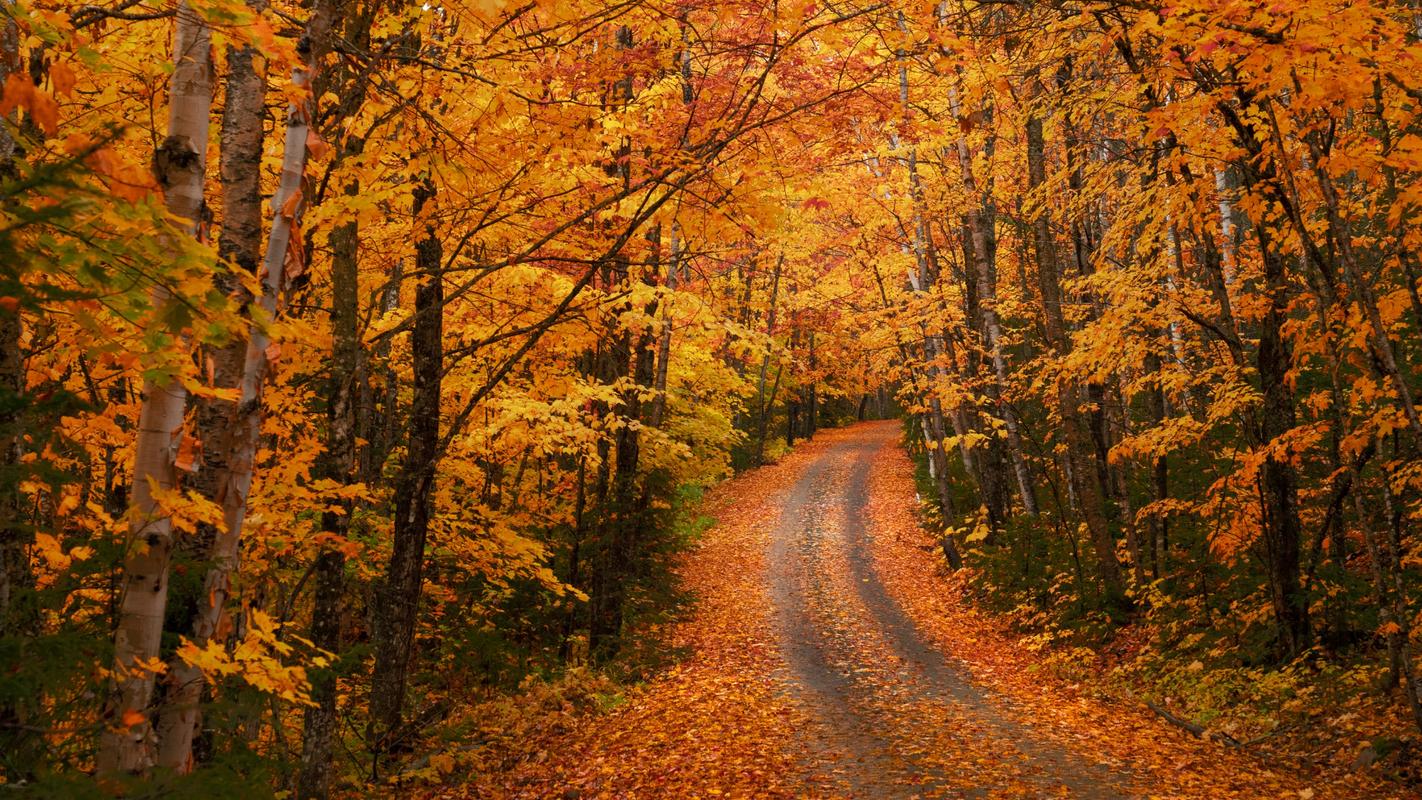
<point x="610" y="559"/>
<point x="624" y="513"/>
<point x="1159" y="527"/>
<point x="1278" y="484"/>
<point x="15" y="572"/>
<point x="319" y="725"/>
<point x="16" y="613"/>
<point x="1082" y="467"/>
<point x="767" y="402"/>
<point x="792" y="421"/>
<point x="397" y="610"/>
<point x="812" y="399"/>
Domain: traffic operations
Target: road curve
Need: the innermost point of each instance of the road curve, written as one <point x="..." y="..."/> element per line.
<point x="890" y="715"/>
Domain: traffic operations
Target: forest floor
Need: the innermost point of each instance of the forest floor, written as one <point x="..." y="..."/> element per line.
<point x="829" y="655"/>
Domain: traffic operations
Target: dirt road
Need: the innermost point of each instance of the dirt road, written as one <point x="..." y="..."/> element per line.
<point x="872" y="684"/>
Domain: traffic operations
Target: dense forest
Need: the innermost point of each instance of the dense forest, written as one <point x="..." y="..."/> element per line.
<point x="363" y="363"/>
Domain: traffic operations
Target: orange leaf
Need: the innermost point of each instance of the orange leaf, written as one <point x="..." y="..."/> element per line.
<point x="314" y="145"/>
<point x="62" y="78"/>
<point x="18" y="91"/>
<point x="128" y="181"/>
<point x="76" y="143"/>
<point x="288" y="209"/>
<point x="189" y="453"/>
<point x="44" y="111"/>
<point x="263" y="35"/>
<point x="295" y="264"/>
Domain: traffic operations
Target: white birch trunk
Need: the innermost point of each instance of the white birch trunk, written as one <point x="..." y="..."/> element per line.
<point x="180" y="716"/>
<point x="1226" y="227"/>
<point x="987" y="293"/>
<point x="127" y="742"/>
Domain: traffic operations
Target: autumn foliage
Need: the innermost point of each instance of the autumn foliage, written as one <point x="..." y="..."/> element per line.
<point x="362" y="363"/>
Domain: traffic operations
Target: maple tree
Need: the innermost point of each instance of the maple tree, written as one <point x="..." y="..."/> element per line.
<point x="358" y="359"/>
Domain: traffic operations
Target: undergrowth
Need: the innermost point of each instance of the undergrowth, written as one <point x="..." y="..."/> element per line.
<point x="1197" y="643"/>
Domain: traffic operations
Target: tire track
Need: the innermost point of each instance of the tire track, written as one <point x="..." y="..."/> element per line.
<point x="890" y="713"/>
<point x="853" y="759"/>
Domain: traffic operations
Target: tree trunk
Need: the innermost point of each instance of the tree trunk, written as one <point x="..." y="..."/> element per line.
<point x="1090" y="500"/>
<point x="396" y="614"/>
<point x="980" y="219"/>
<point x="319" y="725"/>
<point x="215" y="419"/>
<point x="664" y="336"/>
<point x="19" y="611"/>
<point x="812" y="401"/>
<point x="622" y="515"/>
<point x="127" y="743"/>
<point x="349" y="400"/>
<point x="1394" y="546"/>
<point x="764" y="404"/>
<point x="938" y="462"/>
<point x="240" y="162"/>
<point x="1278" y="484"/>
<point x="16" y="580"/>
<point x="1159" y="527"/>
<point x="15" y="572"/>
<point x="240" y="245"/>
<point x="179" y="715"/>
